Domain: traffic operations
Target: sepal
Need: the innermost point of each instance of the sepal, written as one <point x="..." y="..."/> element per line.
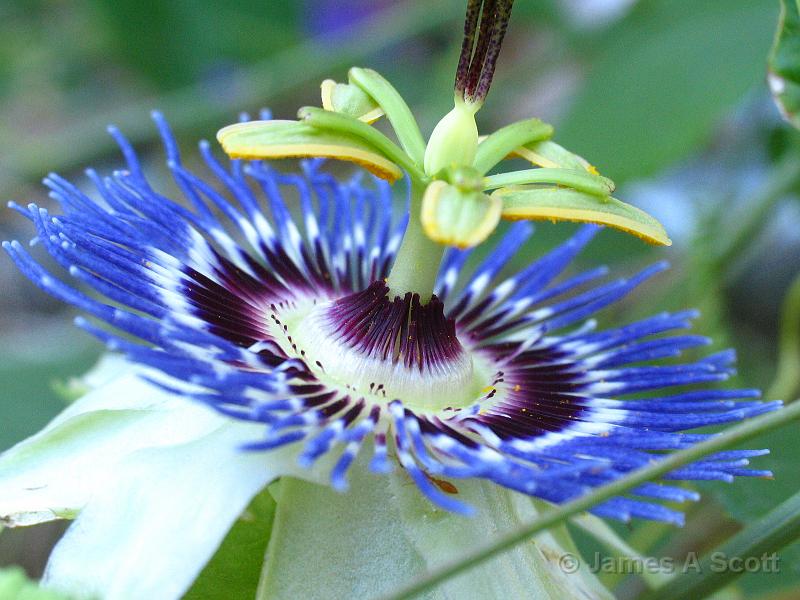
<point x="383" y="526"/>
<point x="53" y="474"/>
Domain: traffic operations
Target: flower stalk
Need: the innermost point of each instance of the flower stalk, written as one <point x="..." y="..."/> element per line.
<point x="419" y="257"/>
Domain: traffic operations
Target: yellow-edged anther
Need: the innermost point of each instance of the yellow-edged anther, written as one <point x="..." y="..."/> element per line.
<point x="350" y="100"/>
<point x="559" y="204"/>
<point x="454" y="217"/>
<point x="550" y="155"/>
<point x="295" y="139"/>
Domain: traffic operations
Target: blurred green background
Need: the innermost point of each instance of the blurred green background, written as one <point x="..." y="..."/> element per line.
<point x="667" y="97"/>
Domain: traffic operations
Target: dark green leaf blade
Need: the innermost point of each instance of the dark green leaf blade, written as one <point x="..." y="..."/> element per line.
<point x="234" y="571"/>
<point x="662" y="78"/>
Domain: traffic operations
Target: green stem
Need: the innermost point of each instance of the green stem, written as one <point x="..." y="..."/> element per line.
<point x="757" y="542"/>
<point x="733" y="436"/>
<point x="418" y="258"/>
<point x="787" y="377"/>
<point x="783" y="178"/>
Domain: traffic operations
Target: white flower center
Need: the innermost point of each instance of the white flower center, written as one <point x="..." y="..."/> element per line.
<point x="364" y="344"/>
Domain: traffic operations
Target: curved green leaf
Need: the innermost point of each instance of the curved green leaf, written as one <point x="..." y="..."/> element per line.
<point x="659" y="80"/>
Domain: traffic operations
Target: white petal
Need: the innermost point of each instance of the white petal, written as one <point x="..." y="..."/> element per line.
<point x="151" y="531"/>
<point x="383" y="534"/>
<point x="53" y="473"/>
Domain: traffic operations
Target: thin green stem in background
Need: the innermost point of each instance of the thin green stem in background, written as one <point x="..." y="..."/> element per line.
<point x="731" y="437"/>
<point x="784" y="177"/>
<point x="758" y="541"/>
<point x="787" y="377"/>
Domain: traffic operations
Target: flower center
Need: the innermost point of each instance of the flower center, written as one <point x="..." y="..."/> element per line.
<point x="388" y="349"/>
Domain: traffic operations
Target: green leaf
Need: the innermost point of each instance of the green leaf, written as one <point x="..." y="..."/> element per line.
<point x="762" y="538"/>
<point x="661" y="79"/>
<point x="505" y="140"/>
<point x="784" y="62"/>
<point x="557" y="204"/>
<point x="15" y="585"/>
<point x="293" y="139"/>
<point x="234" y="570"/>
